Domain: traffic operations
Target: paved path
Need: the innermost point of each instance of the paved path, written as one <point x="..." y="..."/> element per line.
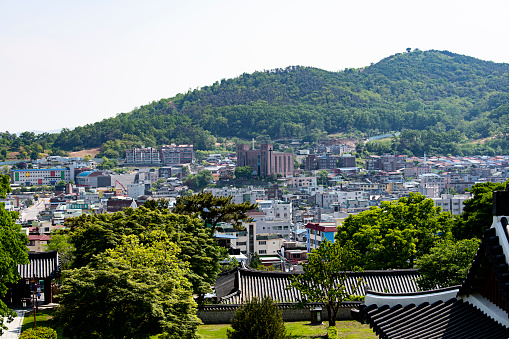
<point x="14" y="327"/>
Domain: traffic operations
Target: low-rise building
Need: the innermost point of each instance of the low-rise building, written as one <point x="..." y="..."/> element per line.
<point x="318" y="232"/>
<point x="49" y="176"/>
<point x="452" y="203"/>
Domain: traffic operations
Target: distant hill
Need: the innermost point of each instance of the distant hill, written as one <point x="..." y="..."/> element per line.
<point x="439" y="100"/>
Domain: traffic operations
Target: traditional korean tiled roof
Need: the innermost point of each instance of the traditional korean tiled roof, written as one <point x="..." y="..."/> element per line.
<point x="479" y="308"/>
<point x="489" y="271"/>
<point x="242" y="284"/>
<point x="42" y="265"/>
<point x="442" y="319"/>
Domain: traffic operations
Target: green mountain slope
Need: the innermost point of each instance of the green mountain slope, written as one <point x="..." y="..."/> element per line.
<point x="436" y="96"/>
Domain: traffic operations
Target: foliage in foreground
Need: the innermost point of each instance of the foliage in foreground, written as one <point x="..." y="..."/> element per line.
<point x="39" y="333"/>
<point x="325" y="275"/>
<point x="447" y="264"/>
<point x="214" y="210"/>
<point x="13" y="250"/>
<point x="332" y="332"/>
<point x="93" y="234"/>
<point x="135" y="290"/>
<point x="477" y="214"/>
<point x="392" y="235"/>
<point x="258" y="319"/>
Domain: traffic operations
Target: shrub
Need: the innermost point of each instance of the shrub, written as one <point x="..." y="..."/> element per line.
<point x="332" y="332"/>
<point x="39" y="333"/>
<point x="258" y="319"/>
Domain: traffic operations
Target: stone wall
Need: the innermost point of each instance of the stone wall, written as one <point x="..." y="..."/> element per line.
<point x="223" y="314"/>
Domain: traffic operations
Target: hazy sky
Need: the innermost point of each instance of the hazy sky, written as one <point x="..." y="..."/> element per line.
<point x="69" y="63"/>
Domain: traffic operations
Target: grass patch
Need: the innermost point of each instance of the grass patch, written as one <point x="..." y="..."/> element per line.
<point x="216" y="331"/>
<point x="301" y="329"/>
<point x="44" y="319"/>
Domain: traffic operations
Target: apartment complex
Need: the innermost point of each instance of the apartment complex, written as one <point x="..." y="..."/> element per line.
<point x="142" y="156"/>
<point x="168" y="155"/>
<point x="176" y="154"/>
<point x="315" y="162"/>
<point x="387" y="162"/>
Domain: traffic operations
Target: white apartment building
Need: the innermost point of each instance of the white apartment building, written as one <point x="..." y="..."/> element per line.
<point x="452" y="203"/>
<point x="302" y="181"/>
<point x="328" y="199"/>
<point x="135" y="190"/>
<point x="276" y="209"/>
<point x="142" y="156"/>
<point x="249" y="241"/>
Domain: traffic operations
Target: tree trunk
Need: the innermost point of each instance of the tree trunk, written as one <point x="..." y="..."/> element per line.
<point x="331" y="312"/>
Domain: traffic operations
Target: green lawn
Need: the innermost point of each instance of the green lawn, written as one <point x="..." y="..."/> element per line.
<point x="301" y="329"/>
<point x="43" y="318"/>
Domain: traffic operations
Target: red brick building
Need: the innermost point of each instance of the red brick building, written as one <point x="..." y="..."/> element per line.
<point x="265" y="161"/>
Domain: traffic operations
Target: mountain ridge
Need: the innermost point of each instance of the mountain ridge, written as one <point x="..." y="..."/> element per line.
<point x="451" y="95"/>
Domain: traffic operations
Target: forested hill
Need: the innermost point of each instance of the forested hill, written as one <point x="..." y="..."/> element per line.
<point x="436" y="96"/>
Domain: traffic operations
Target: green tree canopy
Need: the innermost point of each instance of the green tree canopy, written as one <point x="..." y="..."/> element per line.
<point x="94" y="234"/>
<point x="214" y="210"/>
<point x="135" y="290"/>
<point x="392" y="235"/>
<point x="13" y="250"/>
<point x="258" y="319"/>
<point x="447" y="264"/>
<point x="477" y="214"/>
<point x="199" y="181"/>
<point x="243" y="172"/>
<point x="324" y="278"/>
<point x="322" y="177"/>
<point x="60" y="242"/>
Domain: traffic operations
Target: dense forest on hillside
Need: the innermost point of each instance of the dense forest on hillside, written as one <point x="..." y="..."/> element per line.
<point x="441" y="102"/>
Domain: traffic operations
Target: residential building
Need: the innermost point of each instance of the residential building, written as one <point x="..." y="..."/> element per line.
<point x="135" y="190"/>
<point x="318" y="232"/>
<point x="116" y="204"/>
<point x="386" y="162"/>
<point x="142" y="156"/>
<point x="452" y="203"/>
<point x="302" y="181"/>
<point x="93" y="179"/>
<point x="177" y="154"/>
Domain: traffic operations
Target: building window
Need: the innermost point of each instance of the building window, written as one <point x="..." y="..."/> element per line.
<point x="262" y="242"/>
<point x="262" y="251"/>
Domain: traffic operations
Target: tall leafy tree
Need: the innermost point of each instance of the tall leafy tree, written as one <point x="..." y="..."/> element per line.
<point x="214" y="210"/>
<point x="325" y="276"/>
<point x="394" y="234"/>
<point x="447" y="264"/>
<point x="60" y="242"/>
<point x="136" y="290"/>
<point x="243" y="172"/>
<point x="199" y="181"/>
<point x="13" y="251"/>
<point x="94" y="234"/>
<point x="477" y="214"/>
